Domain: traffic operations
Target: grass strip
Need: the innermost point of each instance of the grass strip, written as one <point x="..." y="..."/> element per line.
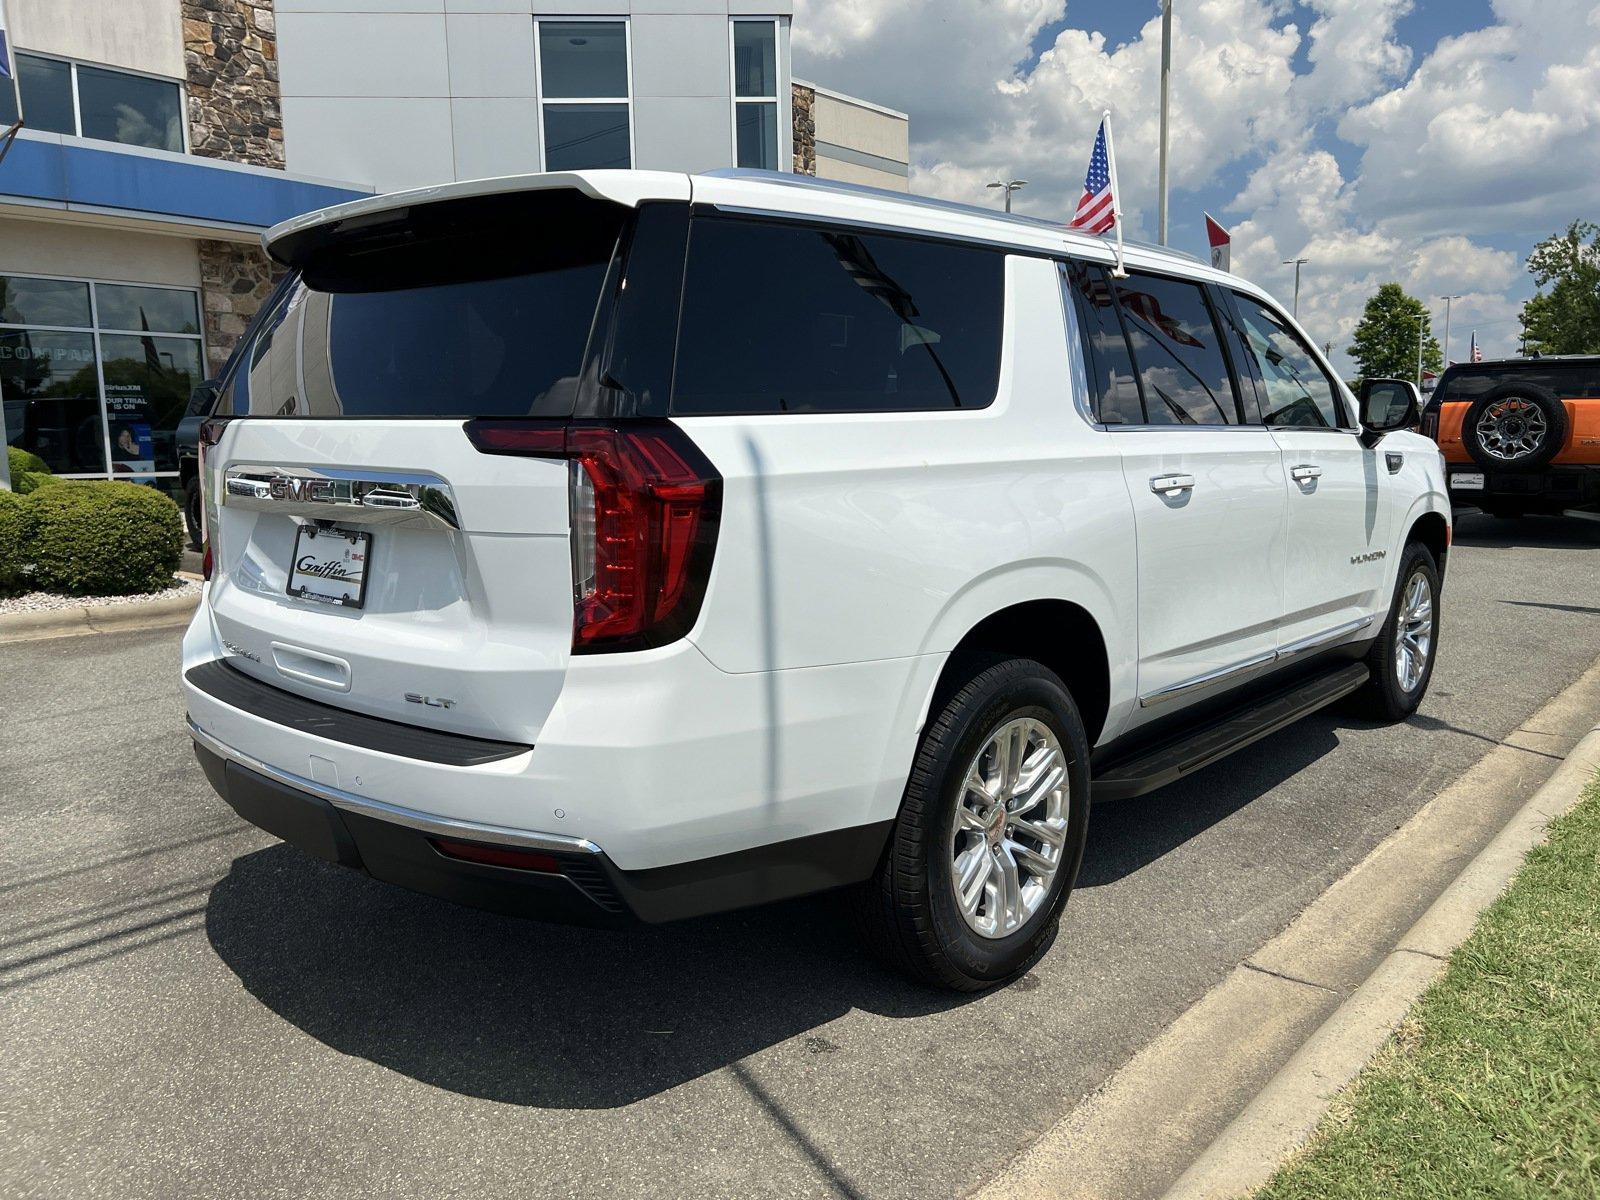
<point x="1491" y="1086"/>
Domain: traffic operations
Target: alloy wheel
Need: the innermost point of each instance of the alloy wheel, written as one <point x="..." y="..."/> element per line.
<point x="1414" y="642"/>
<point x="1511" y="429"/>
<point x="1010" y="827"/>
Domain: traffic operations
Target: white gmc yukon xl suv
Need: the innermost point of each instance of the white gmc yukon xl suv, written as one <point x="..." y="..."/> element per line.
<point x="626" y="545"/>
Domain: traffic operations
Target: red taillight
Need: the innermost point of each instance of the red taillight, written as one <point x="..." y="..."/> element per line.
<point x="205" y="561"/>
<point x="645" y="505"/>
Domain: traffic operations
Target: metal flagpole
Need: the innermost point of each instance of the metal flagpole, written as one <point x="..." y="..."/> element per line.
<point x="1116" y="193"/>
<point x="1166" y="71"/>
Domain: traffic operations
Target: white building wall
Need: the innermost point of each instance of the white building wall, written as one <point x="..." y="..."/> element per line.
<point x="142" y="35"/>
<point x="861" y="142"/>
<point x="117" y="255"/>
<point x="405" y="93"/>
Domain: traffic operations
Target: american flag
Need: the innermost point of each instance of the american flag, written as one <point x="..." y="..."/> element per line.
<point x="1477" y="352"/>
<point x="6" y="70"/>
<point x="1097" y="209"/>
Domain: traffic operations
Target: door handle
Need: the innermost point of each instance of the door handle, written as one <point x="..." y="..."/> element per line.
<point x="1305" y="472"/>
<point x="1171" y="485"/>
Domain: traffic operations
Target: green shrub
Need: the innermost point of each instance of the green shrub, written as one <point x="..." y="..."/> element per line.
<point x="20" y="461"/>
<point x="16" y="516"/>
<point x="103" y="538"/>
<point x="23" y="482"/>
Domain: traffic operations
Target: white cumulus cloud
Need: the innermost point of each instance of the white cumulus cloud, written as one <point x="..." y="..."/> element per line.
<point x="1490" y="135"/>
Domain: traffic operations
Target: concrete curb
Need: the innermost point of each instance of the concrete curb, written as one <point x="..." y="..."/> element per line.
<point x="159" y="613"/>
<point x="1283" y="1116"/>
<point x="1213" y="1104"/>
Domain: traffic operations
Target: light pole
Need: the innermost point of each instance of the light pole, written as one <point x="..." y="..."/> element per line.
<point x="1422" y="335"/>
<point x="1166" y="71"/>
<point x="1447" y="300"/>
<point x="1296" y="263"/>
<point x="1011" y="186"/>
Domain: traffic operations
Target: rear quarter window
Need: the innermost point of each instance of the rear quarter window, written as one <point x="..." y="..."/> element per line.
<point x="781" y="317"/>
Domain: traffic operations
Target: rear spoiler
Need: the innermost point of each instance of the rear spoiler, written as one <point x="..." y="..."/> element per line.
<point x="298" y="240"/>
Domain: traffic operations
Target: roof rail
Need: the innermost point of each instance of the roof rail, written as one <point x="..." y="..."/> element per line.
<point x="812" y="183"/>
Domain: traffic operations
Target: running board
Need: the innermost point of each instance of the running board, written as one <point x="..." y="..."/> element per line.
<point x="1159" y="765"/>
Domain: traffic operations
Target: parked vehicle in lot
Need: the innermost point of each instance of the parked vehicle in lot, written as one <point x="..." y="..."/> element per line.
<point x="627" y="545"/>
<point x="1520" y="435"/>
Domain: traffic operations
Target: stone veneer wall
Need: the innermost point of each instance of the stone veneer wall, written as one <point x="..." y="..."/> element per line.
<point x="230" y="48"/>
<point x="805" y="129"/>
<point x="235" y="279"/>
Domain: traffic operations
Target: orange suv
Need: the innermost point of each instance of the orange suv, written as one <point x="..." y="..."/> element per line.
<point x="1520" y="435"/>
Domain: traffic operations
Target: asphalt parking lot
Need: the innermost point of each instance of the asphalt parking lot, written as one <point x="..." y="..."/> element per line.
<point x="189" y="1008"/>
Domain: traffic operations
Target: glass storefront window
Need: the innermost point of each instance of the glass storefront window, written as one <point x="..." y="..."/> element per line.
<point x="148" y="381"/>
<point x="160" y="310"/>
<point x="52" y="398"/>
<point x="26" y="301"/>
<point x="119" y="386"/>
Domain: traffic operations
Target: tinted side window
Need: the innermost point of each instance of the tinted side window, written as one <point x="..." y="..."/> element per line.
<point x="1464" y="385"/>
<point x="1298" y="392"/>
<point x="1111" y="377"/>
<point x="1569" y="381"/>
<point x="1178" y="349"/>
<point x="789" y="318"/>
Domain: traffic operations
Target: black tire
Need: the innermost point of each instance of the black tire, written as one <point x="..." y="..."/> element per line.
<point x="191" y="513"/>
<point x="1385" y="695"/>
<point x="1547" y="446"/>
<point x="908" y="912"/>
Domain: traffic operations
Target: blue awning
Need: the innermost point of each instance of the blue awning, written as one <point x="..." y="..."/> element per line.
<point x="66" y="172"/>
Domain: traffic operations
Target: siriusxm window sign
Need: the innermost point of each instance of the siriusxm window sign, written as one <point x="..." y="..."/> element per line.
<point x="96" y="376"/>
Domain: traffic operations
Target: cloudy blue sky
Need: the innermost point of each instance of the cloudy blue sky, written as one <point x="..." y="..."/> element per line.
<point x="1430" y="142"/>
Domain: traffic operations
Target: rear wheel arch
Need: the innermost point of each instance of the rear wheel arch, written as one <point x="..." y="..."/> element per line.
<point x="1061" y="635"/>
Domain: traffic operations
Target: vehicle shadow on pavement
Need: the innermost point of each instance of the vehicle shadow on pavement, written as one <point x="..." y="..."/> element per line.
<point x="528" y="1013"/>
<point x="1541" y="533"/>
<point x="1125" y="835"/>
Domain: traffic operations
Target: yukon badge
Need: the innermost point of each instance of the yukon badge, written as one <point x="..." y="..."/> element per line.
<point x="1370" y="556"/>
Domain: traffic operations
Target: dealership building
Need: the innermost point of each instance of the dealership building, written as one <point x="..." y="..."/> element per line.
<point x="160" y="138"/>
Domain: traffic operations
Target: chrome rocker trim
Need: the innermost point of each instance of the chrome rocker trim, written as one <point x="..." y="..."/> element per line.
<point x="393" y="813"/>
<point x="1316" y="641"/>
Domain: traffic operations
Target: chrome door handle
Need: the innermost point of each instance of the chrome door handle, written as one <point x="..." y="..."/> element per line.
<point x="1171" y="485"/>
<point x="1305" y="473"/>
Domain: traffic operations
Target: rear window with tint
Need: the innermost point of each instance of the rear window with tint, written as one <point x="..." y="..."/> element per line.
<point x="471" y="308"/>
<point x="792" y="318"/>
<point x="1569" y="381"/>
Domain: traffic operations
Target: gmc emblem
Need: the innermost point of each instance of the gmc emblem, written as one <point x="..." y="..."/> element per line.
<point x="290" y="487"/>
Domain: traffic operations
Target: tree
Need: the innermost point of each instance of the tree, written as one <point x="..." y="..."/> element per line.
<point x="1385" y="345"/>
<point x="1565" y="319"/>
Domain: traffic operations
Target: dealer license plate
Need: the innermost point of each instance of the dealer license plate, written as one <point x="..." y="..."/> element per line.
<point x="1467" y="480"/>
<point x="330" y="566"/>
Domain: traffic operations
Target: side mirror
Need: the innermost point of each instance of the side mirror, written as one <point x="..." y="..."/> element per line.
<point x="202" y="399"/>
<point x="1388" y="405"/>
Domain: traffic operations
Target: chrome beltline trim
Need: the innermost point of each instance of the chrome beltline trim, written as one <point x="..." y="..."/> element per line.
<point x="1315" y="642"/>
<point x="394" y="813"/>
